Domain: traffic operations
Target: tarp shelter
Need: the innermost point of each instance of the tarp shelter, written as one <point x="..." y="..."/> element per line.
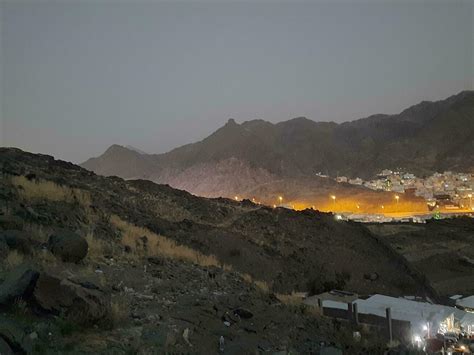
<point x="467" y="303"/>
<point x="423" y="316"/>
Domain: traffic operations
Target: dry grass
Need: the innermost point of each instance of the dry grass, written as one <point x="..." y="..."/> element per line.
<point x="146" y="243"/>
<point x="262" y="286"/>
<point x="48" y="190"/>
<point x="293" y="298"/>
<point x="20" y="306"/>
<point x="40" y="232"/>
<point x="96" y="247"/>
<point x="13" y="259"/>
<point x="45" y="258"/>
<point x="119" y="311"/>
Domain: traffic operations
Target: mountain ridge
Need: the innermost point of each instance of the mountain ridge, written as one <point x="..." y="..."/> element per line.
<point x="423" y="138"/>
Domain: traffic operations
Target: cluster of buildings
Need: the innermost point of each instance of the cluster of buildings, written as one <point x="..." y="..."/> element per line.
<point x="407" y="319"/>
<point x="448" y="190"/>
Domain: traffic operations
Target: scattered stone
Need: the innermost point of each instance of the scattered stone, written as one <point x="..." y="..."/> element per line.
<point x="221" y="344"/>
<point x="33" y="336"/>
<point x="19" y="241"/>
<point x="372" y="276"/>
<point x="68" y="246"/>
<point x="186" y="333"/>
<point x="466" y="261"/>
<point x="243" y="313"/>
<point x="118" y="287"/>
<point x="57" y="296"/>
<point x="19" y="283"/>
<point x="227" y="324"/>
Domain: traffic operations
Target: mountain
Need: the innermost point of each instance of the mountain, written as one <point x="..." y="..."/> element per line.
<point x="94" y="264"/>
<point x="427" y="137"/>
<point x="129" y="147"/>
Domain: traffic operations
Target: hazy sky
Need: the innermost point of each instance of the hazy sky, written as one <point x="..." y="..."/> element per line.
<point x="78" y="76"/>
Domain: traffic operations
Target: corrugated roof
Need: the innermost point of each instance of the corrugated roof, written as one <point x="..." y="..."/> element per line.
<point x="467" y="302"/>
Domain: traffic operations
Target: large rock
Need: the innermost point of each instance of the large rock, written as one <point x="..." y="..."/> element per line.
<point x="14" y="338"/>
<point x="19" y="283"/>
<point x="19" y="241"/>
<point x="5" y="348"/>
<point x="84" y="305"/>
<point x="68" y="246"/>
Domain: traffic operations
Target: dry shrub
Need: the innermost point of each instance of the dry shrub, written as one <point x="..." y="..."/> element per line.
<point x="20" y="306"/>
<point x="96" y="247"/>
<point x="13" y="259"/>
<point x="262" y="285"/>
<point x="144" y="242"/>
<point x="46" y="258"/>
<point x="290" y="299"/>
<point x="48" y="190"/>
<point x="247" y="278"/>
<point x="119" y="311"/>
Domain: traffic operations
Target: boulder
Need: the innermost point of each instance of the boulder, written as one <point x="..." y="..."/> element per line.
<point x="83" y="305"/>
<point x="68" y="246"/>
<point x="19" y="283"/>
<point x="19" y="241"/>
<point x="14" y="338"/>
<point x="5" y="348"/>
<point x="243" y="313"/>
<point x="372" y="276"/>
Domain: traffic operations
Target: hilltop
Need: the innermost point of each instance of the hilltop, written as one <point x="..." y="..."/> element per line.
<point x="165" y="269"/>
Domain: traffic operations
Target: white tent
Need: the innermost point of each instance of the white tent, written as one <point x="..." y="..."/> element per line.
<point x="467" y="302"/>
<point x="467" y="322"/>
<point x="421" y="315"/>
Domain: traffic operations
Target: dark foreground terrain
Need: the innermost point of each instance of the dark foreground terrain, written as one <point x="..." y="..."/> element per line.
<point x="442" y="250"/>
<point x="103" y="265"/>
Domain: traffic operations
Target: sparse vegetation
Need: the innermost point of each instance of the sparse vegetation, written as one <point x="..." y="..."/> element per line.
<point x="13" y="259"/>
<point x="293" y="298"/>
<point x="20" y="306"/>
<point x="96" y="247"/>
<point x="119" y="311"/>
<point x="48" y="190"/>
<point x="144" y="242"/>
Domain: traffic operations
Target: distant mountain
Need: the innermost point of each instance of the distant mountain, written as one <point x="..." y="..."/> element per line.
<point x="135" y="149"/>
<point x="427" y="137"/>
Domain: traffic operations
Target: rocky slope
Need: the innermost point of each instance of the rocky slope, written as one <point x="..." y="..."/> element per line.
<point x="168" y="271"/>
<point x="441" y="250"/>
<point x="428" y="137"/>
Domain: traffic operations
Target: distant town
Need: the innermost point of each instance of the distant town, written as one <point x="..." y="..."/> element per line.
<point x="447" y="193"/>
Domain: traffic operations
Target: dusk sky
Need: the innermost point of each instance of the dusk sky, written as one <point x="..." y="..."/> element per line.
<point x="78" y="76"/>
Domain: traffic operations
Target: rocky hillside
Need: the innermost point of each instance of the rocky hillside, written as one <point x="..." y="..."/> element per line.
<point x="237" y="158"/>
<point x="150" y="267"/>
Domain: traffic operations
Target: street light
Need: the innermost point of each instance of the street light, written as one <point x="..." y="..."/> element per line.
<point x="280" y="198"/>
<point x="333" y="197"/>
<point x="397" y="198"/>
<point x="470" y="200"/>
